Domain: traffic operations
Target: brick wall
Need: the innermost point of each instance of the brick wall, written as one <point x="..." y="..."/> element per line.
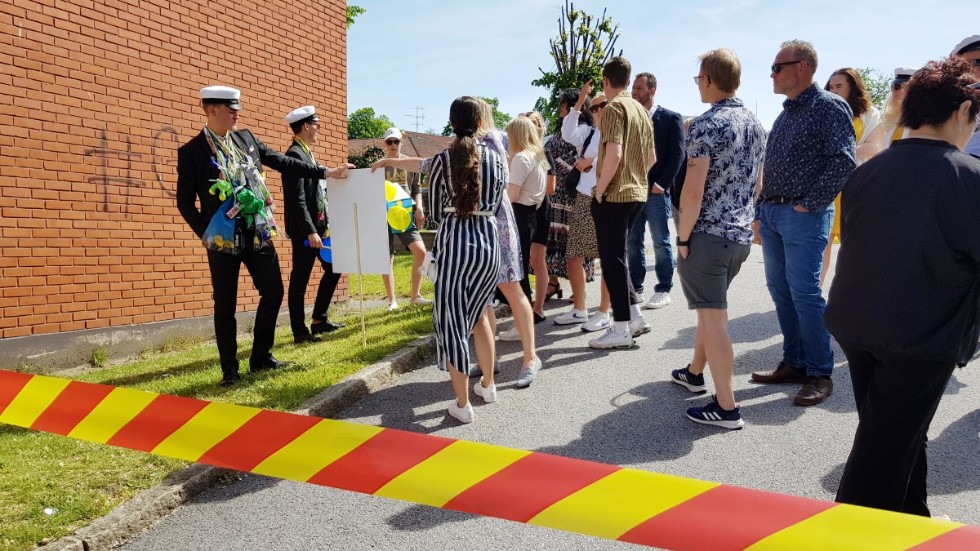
<point x="95" y="98"/>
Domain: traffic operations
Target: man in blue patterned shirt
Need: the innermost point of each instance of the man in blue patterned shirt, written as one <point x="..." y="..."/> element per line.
<point x="725" y="147"/>
<point x="809" y="156"/>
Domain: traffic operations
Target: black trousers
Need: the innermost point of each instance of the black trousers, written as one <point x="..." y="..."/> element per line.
<point x="612" y="225"/>
<point x="303" y="259"/>
<point x="526" y="218"/>
<point x="266" y="276"/>
<point x="896" y="401"/>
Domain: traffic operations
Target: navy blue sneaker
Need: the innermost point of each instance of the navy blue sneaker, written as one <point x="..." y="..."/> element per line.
<point x="688" y="380"/>
<point x="712" y="414"/>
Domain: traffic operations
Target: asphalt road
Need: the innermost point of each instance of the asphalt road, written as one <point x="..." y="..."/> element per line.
<point x="613" y="407"/>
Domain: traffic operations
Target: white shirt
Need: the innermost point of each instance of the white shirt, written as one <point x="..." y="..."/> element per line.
<point x="530" y="176"/>
<point x="575" y="134"/>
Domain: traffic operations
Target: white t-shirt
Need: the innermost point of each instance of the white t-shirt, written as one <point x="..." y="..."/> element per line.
<point x="576" y="134"/>
<point x="528" y="174"/>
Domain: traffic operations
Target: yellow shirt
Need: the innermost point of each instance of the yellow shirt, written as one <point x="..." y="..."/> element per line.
<point x="626" y="122"/>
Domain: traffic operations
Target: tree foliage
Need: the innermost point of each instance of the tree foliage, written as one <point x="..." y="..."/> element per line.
<point x="364" y="123"/>
<point x="877" y="83"/>
<point x="583" y="45"/>
<point x="364" y="158"/>
<point x="500" y="119"/>
<point x="352" y="13"/>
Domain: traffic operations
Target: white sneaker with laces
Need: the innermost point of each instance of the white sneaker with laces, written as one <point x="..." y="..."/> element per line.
<point x="612" y="339"/>
<point x="462" y="414"/>
<point x="572" y="316"/>
<point x="509" y="335"/>
<point x="658" y="300"/>
<point x="489" y="394"/>
<point x="392" y="306"/>
<point x="419" y="299"/>
<point x="597" y="322"/>
<point x="639" y="326"/>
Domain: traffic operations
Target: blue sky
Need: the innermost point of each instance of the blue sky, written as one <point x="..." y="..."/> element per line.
<point x="425" y="53"/>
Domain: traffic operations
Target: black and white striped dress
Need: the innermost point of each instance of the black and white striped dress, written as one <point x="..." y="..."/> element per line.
<point x="467" y="252"/>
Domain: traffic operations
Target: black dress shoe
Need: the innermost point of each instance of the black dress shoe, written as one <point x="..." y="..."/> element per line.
<point x="326" y="327"/>
<point x="268" y="363"/>
<point x="538" y="318"/>
<point x="230" y="380"/>
<point x="304" y="338"/>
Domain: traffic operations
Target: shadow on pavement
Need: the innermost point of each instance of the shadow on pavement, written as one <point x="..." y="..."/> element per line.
<point x="755" y="327"/>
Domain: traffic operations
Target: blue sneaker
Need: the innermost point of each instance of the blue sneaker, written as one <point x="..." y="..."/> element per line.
<point x="528" y="374"/>
<point x="712" y="414"/>
<point x="688" y="380"/>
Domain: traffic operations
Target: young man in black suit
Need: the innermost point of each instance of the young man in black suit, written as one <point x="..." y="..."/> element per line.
<point x="240" y="156"/>
<point x="305" y="211"/>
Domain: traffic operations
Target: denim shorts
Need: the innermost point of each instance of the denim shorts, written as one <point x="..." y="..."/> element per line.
<point x="712" y="263"/>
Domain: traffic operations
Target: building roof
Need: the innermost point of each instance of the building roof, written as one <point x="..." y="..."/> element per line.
<point x="414" y="144"/>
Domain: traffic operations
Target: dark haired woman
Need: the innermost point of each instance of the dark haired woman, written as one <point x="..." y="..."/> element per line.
<point x="848" y="84"/>
<point x="466" y="187"/>
<point x="562" y="202"/>
<point x="902" y="347"/>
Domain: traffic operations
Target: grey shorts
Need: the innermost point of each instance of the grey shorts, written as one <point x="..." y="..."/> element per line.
<point x="711" y="265"/>
<point x="407" y="238"/>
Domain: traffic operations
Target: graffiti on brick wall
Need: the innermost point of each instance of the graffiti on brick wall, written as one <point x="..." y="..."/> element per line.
<point x="162" y="159"/>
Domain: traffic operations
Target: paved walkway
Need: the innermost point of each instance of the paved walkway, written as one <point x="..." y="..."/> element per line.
<point x="613" y="407"/>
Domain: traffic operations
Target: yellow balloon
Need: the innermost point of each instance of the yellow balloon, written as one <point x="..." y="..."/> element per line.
<point x="390" y="191"/>
<point x="399" y="218"/>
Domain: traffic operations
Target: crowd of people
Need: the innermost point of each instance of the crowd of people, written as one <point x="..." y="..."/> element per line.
<point x="509" y="205"/>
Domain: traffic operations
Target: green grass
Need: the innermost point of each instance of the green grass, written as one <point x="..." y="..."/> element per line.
<point x="82" y="481"/>
<point x="374" y="288"/>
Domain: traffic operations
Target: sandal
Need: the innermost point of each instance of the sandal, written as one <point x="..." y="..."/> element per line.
<point x="554" y="288"/>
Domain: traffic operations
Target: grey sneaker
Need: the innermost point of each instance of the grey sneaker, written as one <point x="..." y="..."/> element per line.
<point x="528" y="374"/>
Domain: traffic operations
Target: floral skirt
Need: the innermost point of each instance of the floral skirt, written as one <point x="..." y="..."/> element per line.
<point x="561" y="213"/>
<point x="510" y="248"/>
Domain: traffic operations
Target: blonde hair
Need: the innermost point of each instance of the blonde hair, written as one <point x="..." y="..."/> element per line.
<point x="486" y="119"/>
<point x="723" y="68"/>
<point x="522" y="135"/>
<point x="538" y="121"/>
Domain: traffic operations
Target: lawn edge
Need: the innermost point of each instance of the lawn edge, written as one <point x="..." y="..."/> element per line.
<point x="156" y="503"/>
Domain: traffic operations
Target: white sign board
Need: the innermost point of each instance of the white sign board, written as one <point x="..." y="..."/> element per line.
<point x="366" y="190"/>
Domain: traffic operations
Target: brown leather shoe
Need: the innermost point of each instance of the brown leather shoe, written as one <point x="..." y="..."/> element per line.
<point x="816" y="390"/>
<point x="784" y="373"/>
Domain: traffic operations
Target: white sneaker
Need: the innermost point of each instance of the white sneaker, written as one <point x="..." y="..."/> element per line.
<point x="572" y="316"/>
<point x="639" y="326"/>
<point x="612" y="339"/>
<point x="392" y="306"/>
<point x="509" y="335"/>
<point x="419" y="299"/>
<point x="462" y="414"/>
<point x="489" y="394"/>
<point x="597" y="322"/>
<point x="658" y="300"/>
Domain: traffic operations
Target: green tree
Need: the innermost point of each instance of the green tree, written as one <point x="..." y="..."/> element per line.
<point x="877" y="83"/>
<point x="500" y="119"/>
<point x="352" y="13"/>
<point x="583" y="45"/>
<point x="364" y="158"/>
<point x="363" y="123"/>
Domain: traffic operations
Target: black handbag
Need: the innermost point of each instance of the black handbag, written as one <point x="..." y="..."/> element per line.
<point x="574" y="175"/>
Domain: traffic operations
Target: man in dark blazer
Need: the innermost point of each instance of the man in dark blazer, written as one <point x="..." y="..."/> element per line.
<point x="305" y="210"/>
<point x="220" y="143"/>
<point x="668" y="137"/>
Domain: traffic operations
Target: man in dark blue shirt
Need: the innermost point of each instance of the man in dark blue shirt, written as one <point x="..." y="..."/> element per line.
<point x="809" y="155"/>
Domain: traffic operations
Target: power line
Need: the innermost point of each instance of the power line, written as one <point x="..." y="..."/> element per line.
<point x="419" y="116"/>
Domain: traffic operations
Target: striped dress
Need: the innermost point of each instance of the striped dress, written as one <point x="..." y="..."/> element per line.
<point x="467" y="253"/>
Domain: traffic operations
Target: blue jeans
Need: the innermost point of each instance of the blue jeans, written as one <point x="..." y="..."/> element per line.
<point x="655" y="213"/>
<point x="792" y="246"/>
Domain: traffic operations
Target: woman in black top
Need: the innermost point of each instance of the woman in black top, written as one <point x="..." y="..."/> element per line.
<point x="909" y="222"/>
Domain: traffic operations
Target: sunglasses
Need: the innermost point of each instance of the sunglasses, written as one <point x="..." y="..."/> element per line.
<point x="778" y="67"/>
<point x="896" y="86"/>
<point x="697" y="79"/>
<point x="393" y="141"/>
<point x="597" y="107"/>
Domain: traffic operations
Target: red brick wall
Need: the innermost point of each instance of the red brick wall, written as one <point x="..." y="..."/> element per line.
<point x="95" y="98"/>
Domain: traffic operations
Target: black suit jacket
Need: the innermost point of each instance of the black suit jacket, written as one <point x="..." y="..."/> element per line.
<point x="195" y="172"/>
<point x="668" y="134"/>
<point x="299" y="208"/>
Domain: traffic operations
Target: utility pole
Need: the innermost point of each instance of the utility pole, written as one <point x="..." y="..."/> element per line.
<point x="419" y="116"/>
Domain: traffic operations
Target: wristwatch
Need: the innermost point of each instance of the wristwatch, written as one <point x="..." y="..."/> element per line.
<point x="683" y="243"/>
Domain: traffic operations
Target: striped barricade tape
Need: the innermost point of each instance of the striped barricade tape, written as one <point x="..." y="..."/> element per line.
<point x="590" y="498"/>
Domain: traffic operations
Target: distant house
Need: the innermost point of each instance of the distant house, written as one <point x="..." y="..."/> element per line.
<point x="414" y="144"/>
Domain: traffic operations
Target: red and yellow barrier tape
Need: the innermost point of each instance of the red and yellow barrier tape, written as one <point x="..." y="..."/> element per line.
<point x="545" y="490"/>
